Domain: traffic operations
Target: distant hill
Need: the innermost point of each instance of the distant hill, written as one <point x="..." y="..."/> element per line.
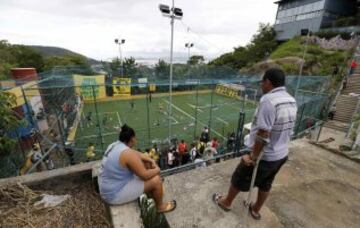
<point x="48" y="51"/>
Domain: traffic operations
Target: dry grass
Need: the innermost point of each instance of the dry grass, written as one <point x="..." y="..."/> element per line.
<point x="83" y="209"/>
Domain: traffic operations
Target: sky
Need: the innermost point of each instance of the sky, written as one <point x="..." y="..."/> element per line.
<point x="89" y="27"/>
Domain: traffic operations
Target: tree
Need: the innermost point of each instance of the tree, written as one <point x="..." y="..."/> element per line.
<point x="130" y="67"/>
<point x="196" y="59"/>
<point x="115" y="66"/>
<point x="67" y="61"/>
<point x="8" y="122"/>
<point x="27" y="57"/>
<point x="162" y="70"/>
<point x="261" y="45"/>
<point x="18" y="56"/>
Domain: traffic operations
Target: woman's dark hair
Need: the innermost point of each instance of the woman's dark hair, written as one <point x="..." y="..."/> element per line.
<point x="126" y="133"/>
<point x="275" y="76"/>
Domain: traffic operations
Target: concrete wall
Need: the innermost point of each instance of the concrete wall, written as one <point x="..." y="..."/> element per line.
<point x="289" y="30"/>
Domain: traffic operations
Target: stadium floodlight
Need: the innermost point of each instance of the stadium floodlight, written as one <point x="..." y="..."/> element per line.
<point x="189" y="46"/>
<point x="120" y="42"/>
<point x="165" y="9"/>
<point x="173" y="13"/>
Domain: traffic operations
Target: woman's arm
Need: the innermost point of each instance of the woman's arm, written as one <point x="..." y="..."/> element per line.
<point x="146" y="159"/>
<point x="132" y="160"/>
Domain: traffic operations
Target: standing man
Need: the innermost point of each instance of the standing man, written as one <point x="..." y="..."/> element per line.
<point x="270" y="131"/>
<point x="353" y="66"/>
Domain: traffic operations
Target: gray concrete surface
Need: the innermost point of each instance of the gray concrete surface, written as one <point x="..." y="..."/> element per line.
<point x="315" y="188"/>
<point x="46" y="175"/>
<point x="127" y="215"/>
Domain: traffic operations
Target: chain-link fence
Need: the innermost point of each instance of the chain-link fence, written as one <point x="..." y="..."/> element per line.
<point x="74" y="117"/>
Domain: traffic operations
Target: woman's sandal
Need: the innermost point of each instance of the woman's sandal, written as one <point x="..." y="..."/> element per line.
<point x="216" y="197"/>
<point x="169" y="207"/>
<point x="253" y="214"/>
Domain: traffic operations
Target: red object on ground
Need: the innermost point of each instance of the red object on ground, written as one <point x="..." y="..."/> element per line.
<point x="354" y="64"/>
<point x="24" y="74"/>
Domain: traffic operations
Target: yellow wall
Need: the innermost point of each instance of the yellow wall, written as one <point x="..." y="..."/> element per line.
<point x="84" y="85"/>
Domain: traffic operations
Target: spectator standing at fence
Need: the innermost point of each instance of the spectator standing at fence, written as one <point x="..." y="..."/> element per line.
<point x="126" y="174"/>
<point x="270" y="132"/>
<point x="215" y="143"/>
<point x="182" y="148"/>
<point x="193" y="152"/>
<point x="353" y="66"/>
<point x="230" y="144"/>
<point x="90" y="152"/>
<point x="205" y="137"/>
<point x="154" y="154"/>
<point x="171" y="159"/>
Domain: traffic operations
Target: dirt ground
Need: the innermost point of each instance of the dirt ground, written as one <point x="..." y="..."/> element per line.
<point x="315" y="188"/>
<point x="83" y="209"/>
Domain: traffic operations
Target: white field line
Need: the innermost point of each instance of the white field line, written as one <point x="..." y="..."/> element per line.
<point x="119" y="119"/>
<point x="95" y="136"/>
<point x="173" y="118"/>
<point x="166" y="114"/>
<point x="193" y="106"/>
<point x="223" y="121"/>
<point x="107" y="112"/>
<point x="190" y="116"/>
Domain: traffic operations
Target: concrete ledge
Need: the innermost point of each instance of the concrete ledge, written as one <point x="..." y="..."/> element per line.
<point x="127" y="215"/>
<point x="45" y="175"/>
<point x="338" y="152"/>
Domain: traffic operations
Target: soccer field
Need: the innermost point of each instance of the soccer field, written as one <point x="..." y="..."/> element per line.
<point x="135" y="112"/>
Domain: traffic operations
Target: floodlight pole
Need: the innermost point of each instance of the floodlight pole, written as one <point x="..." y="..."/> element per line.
<point x="121" y="61"/>
<point x="120" y="42"/>
<point x="172" y="20"/>
<point x="173" y="13"/>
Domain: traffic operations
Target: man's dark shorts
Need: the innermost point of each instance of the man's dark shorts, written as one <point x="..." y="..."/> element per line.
<point x="265" y="176"/>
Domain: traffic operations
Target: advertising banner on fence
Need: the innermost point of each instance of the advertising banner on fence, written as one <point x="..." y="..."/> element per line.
<point x="230" y="90"/>
<point x="85" y="85"/>
<point x="122" y="86"/>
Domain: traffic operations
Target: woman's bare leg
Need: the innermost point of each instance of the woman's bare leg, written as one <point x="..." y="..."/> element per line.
<point x="155" y="189"/>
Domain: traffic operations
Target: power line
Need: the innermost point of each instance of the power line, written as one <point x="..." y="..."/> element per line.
<point x="189" y="29"/>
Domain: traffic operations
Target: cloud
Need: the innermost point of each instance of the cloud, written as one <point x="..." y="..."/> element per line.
<point x="90" y="26"/>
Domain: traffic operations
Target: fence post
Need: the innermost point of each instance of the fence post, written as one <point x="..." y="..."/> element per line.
<point x="28" y="107"/>
<point x="211" y="105"/>
<point x="302" y="113"/>
<point x="97" y="118"/>
<point x="148" y="113"/>
<point x="239" y="132"/>
<point x="196" y="107"/>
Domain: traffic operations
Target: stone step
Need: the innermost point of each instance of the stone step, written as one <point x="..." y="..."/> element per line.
<point x="332" y="125"/>
<point x="345" y="120"/>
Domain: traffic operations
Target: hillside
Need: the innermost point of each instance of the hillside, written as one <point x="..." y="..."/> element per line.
<point x="48" y="51"/>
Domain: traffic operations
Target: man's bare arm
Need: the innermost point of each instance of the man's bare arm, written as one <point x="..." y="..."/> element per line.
<point x="262" y="138"/>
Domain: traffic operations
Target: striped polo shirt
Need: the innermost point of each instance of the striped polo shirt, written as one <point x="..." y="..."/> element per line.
<point x="276" y="114"/>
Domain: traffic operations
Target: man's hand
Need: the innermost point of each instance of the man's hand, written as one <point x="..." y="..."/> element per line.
<point x="247" y="160"/>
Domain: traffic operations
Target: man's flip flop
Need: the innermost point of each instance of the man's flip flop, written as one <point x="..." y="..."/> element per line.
<point x="216" y="197"/>
<point x="253" y="214"/>
<point x="169" y="207"/>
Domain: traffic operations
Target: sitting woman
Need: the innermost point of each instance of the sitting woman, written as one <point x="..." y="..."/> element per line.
<point x="126" y="174"/>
